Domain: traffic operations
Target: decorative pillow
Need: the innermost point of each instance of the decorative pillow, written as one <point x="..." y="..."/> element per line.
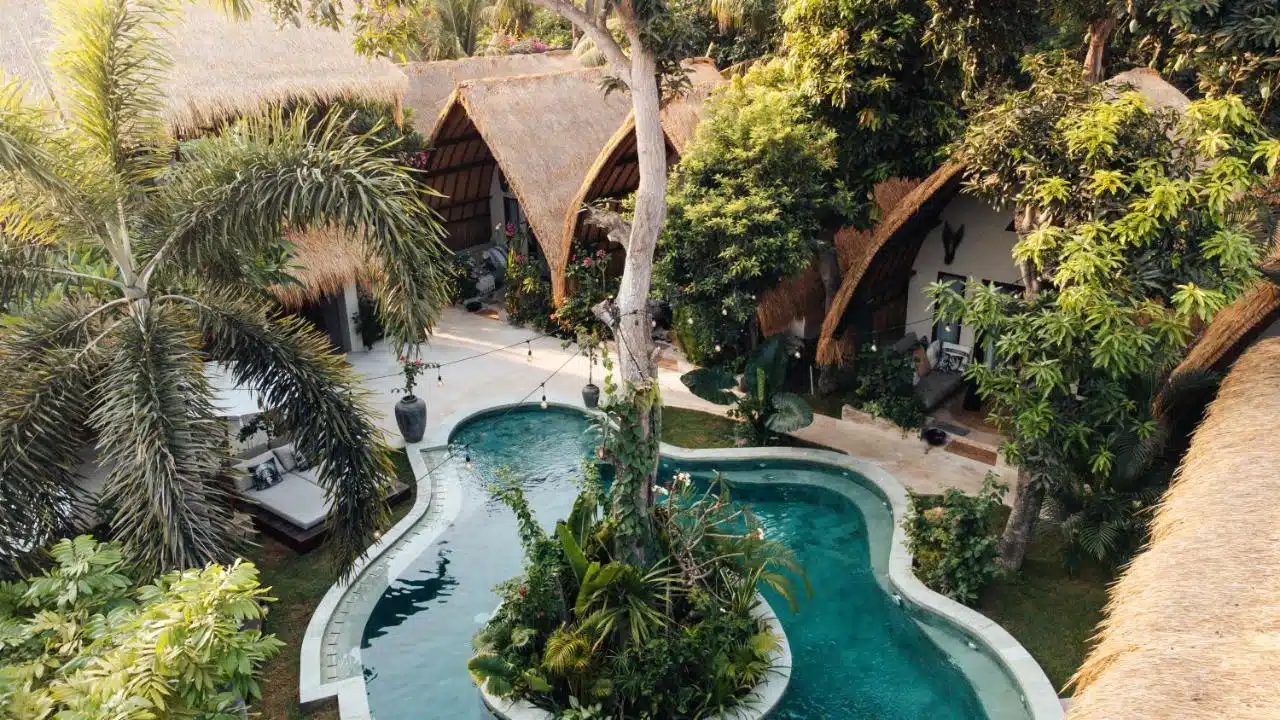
<point x="302" y="463"/>
<point x="265" y="475"/>
<point x="954" y="358"/>
<point x="286" y="457"/>
<point x="245" y="481"/>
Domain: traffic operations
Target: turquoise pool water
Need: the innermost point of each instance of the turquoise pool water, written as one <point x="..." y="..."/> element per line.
<point x="857" y="652"/>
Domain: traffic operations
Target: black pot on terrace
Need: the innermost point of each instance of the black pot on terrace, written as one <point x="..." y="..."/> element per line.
<point x="411" y="417"/>
<point x="590" y="396"/>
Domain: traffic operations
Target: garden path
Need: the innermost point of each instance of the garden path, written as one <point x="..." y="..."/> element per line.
<point x="510" y="375"/>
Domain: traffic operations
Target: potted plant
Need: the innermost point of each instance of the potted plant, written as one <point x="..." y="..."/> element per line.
<point x="590" y="391"/>
<point x="411" y="411"/>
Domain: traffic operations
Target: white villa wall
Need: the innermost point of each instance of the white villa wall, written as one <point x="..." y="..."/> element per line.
<point x="985" y="253"/>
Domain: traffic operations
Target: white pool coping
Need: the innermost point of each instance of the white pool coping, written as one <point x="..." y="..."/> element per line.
<point x="439" y="492"/>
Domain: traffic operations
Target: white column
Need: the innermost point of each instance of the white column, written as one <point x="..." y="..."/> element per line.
<point x="348" y="332"/>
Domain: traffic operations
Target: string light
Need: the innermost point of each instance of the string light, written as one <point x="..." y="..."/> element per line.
<point x="439" y="378"/>
<point x="467" y="460"/>
<point x="717" y="348"/>
<point x="797" y="354"/>
<point x="544" y="396"/>
<point x="724" y="311"/>
<point x="689" y="321"/>
<point x="873" y="346"/>
<point x="528" y="357"/>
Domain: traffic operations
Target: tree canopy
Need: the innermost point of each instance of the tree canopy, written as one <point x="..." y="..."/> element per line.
<point x="1135" y="227"/>
<point x="86" y="639"/>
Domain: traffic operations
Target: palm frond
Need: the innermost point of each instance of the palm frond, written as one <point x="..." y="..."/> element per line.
<point x="158" y="434"/>
<point x="110" y="62"/>
<point x="290" y="365"/>
<point x="234" y="194"/>
<point x="44" y="405"/>
<point x="23" y="133"/>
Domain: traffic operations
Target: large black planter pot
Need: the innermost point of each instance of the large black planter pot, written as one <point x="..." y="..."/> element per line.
<point x="590" y="395"/>
<point x="411" y="416"/>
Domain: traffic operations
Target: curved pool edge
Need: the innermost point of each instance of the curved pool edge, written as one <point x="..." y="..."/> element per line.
<point x="762" y="700"/>
<point x="1041" y="698"/>
<point x="352" y="696"/>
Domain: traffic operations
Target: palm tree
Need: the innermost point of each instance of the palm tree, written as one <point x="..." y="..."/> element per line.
<point x="132" y="268"/>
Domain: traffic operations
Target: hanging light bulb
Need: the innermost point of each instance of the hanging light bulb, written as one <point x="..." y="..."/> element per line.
<point x="797" y="354"/>
<point x="873" y="346"/>
<point x="467" y="460"/>
<point x="544" y="397"/>
<point x="724" y="311"/>
<point x="653" y="323"/>
<point x="528" y="357"/>
<point x="717" y="348"/>
<point x="689" y="321"/>
<point x="439" y="379"/>
<point x="948" y="327"/>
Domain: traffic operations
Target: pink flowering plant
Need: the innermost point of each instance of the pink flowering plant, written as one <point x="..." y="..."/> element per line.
<point x="589" y="281"/>
<point x="412" y="368"/>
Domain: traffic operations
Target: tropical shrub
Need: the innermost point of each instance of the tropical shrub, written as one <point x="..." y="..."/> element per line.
<point x="885" y="387"/>
<point x="580" y="629"/>
<point x="763" y="410"/>
<point x="1135" y="226"/>
<point x="747" y="205"/>
<point x="953" y="540"/>
<point x="590" y="282"/>
<point x="88" y="639"/>
<point x="528" y="291"/>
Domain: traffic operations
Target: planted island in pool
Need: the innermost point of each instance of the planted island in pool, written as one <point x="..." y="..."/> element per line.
<point x="859" y="650"/>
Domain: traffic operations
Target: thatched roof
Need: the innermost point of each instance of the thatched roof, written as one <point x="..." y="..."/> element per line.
<point x="221" y="68"/>
<point x="801" y="295"/>
<point x="904" y="224"/>
<point x="327" y="260"/>
<point x="1192" y="628"/>
<point x="431" y="84"/>
<point x="1237" y="325"/>
<point x="1157" y="92"/>
<point x="544" y="131"/>
<point x="616" y="171"/>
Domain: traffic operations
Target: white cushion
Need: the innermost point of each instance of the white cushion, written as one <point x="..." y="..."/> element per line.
<point x="244" y="479"/>
<point x="294" y="499"/>
<point x="286" y="458"/>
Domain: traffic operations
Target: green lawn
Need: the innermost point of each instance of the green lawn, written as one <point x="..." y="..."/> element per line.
<point x="694" y="429"/>
<point x="1050" y="612"/>
<point x="298" y="582"/>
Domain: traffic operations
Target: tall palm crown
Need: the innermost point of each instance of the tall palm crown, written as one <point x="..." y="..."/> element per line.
<point x="130" y="267"/>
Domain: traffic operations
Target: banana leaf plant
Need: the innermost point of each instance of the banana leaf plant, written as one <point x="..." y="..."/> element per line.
<point x="764" y="410"/>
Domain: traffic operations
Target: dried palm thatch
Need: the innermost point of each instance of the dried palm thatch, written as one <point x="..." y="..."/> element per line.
<point x="616" y="170"/>
<point x="802" y="295"/>
<point x="327" y="260"/>
<point x="543" y="131"/>
<point x="1192" y="628"/>
<point x="850" y="241"/>
<point x="222" y="68"/>
<point x="860" y="250"/>
<point x="431" y="84"/>
<point x="1157" y="92"/>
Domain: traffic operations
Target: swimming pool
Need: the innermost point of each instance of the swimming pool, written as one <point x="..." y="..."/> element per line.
<point x="859" y="651"/>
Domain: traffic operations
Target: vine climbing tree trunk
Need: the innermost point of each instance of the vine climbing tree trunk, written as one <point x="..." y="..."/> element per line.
<point x="634" y="452"/>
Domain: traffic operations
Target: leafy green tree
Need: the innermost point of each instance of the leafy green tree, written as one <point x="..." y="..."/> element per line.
<point x="866" y="64"/>
<point x="1135" y="225"/>
<point x="132" y="272"/>
<point x="86" y="639"/>
<point x="1232" y="45"/>
<point x="747" y="206"/>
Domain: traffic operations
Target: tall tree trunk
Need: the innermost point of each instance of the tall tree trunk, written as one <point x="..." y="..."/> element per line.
<point x="1027" y="499"/>
<point x="1094" y="59"/>
<point x="633" y="331"/>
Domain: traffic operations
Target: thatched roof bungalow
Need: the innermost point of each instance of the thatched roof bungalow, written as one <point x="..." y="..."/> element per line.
<point x="535" y="135"/>
<point x="616" y="171"/>
<point x="936" y="233"/>
<point x="1192" y="628"/>
<point x="1253" y="316"/>
<point x="222" y="68"/>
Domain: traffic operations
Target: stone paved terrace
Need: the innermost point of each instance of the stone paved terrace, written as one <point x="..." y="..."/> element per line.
<point x="506" y="377"/>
